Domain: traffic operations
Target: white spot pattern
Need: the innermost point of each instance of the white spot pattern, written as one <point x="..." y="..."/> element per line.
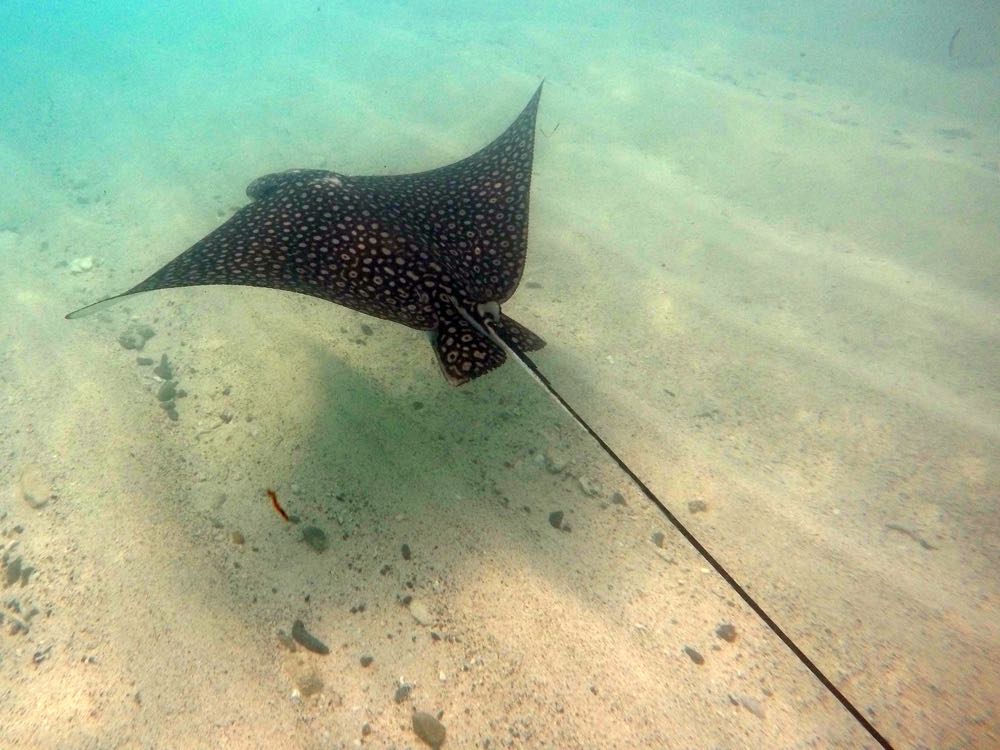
<point x="400" y="247"/>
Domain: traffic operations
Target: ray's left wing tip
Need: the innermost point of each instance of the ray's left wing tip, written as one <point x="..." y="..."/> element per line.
<point x="95" y="307"/>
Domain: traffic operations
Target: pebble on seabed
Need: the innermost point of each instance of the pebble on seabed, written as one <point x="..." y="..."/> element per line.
<point x="81" y="265"/>
<point x="402" y="692"/>
<point x="136" y="336"/>
<point x="35" y="489"/>
<point x="429" y="729"/>
<point x="316" y="538"/>
<point x="694" y="655"/>
<point x="726" y="632"/>
<point x="421" y="612"/>
<point x="307" y="640"/>
<point x="750" y="704"/>
<point x="164" y="370"/>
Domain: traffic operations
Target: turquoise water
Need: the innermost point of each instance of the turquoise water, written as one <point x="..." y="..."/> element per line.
<point x="763" y="253"/>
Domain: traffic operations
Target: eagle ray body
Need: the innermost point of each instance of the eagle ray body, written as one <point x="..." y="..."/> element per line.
<point x="438" y="251"/>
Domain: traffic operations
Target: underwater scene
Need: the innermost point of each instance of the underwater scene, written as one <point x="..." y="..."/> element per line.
<point x="500" y="375"/>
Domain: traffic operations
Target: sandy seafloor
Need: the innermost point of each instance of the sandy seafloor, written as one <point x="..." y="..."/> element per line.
<point x="764" y="253"/>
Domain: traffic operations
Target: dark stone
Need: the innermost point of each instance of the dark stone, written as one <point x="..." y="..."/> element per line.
<point x="617" y="498"/>
<point x="131" y="340"/>
<point x="402" y="692"/>
<point x="405" y="549"/>
<point x="366" y="329"/>
<point x="144" y="361"/>
<point x="316" y="538"/>
<point x="429" y="729"/>
<point x="164" y="369"/>
<point x="167" y="391"/>
<point x="307" y="640"/>
<point x="695" y="656"/>
<point x="366" y="660"/>
<point x="726" y="632"/>
<point x="658" y="539"/>
<point x="555" y="519"/>
<point x="697" y="506"/>
<point x="12" y="572"/>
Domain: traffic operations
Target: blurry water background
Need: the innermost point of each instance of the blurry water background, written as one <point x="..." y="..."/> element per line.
<point x="764" y="253"/>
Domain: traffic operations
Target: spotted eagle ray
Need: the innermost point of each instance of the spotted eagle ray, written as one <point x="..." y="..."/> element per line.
<point x="439" y="251"/>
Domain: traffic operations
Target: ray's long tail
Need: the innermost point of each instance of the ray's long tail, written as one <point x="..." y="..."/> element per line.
<point x="532" y="368"/>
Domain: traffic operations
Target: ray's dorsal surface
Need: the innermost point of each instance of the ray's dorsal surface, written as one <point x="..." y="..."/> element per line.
<point x="438" y="251"/>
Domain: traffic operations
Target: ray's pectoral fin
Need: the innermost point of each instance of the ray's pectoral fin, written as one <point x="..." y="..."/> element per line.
<point x="514" y="333"/>
<point x="464" y="352"/>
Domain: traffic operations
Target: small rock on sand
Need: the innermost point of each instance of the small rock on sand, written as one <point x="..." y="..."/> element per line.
<point x="553" y="462"/>
<point x="589" y="486"/>
<point x="429" y="729"/>
<point x="34" y="489"/>
<point x="136" y="336"/>
<point x="316" y="538"/>
<point x="421" y="612"/>
<point x="164" y="370"/>
<point x="81" y="265"/>
<point x="694" y="655"/>
<point x="131" y="340"/>
<point x="307" y="640"/>
<point x="750" y="704"/>
<point x="303" y="674"/>
<point x="726" y="632"/>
